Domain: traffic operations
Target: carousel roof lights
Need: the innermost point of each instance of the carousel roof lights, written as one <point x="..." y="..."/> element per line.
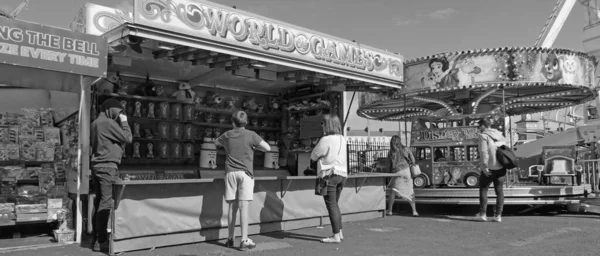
<point x="501" y="50"/>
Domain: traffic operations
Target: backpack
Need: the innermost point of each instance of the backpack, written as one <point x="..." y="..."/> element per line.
<point x="505" y="156"/>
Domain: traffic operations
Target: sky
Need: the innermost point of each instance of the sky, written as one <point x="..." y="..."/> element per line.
<point x="414" y="28"/>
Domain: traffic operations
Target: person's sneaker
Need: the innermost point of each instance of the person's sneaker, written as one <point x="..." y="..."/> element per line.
<point x="341" y="235"/>
<point x="247" y="244"/>
<point x="333" y="239"/>
<point x="229" y="243"/>
<point x="481" y="217"/>
<point x="95" y="246"/>
<point x="104" y="247"/>
<point x="497" y="219"/>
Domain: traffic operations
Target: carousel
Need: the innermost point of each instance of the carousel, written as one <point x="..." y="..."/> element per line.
<point x="446" y="94"/>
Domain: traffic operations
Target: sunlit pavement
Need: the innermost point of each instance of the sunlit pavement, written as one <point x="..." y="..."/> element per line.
<point x="454" y="233"/>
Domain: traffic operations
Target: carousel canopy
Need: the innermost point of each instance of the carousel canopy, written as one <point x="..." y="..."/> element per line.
<point x="475" y="84"/>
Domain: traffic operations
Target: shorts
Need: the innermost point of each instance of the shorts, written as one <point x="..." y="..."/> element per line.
<point x="238" y="186"/>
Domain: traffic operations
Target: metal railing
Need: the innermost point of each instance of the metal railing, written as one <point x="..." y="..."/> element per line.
<point x="590" y="173"/>
<point x="367" y="156"/>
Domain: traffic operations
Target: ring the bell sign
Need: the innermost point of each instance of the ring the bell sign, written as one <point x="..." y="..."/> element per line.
<point x="38" y="46"/>
<point x="231" y="26"/>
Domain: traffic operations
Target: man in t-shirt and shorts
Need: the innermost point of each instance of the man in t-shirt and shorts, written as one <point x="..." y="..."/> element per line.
<point x="239" y="145"/>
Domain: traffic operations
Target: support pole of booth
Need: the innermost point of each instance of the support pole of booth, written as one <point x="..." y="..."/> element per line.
<point x="84" y="150"/>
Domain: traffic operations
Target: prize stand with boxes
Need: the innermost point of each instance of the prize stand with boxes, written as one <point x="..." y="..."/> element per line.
<point x="44" y="91"/>
<point x="34" y="163"/>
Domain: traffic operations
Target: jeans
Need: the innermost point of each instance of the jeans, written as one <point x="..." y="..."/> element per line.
<point x="498" y="177"/>
<point x="335" y="184"/>
<point x="103" y="179"/>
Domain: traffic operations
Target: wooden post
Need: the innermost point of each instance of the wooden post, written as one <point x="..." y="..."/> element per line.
<point x="83" y="172"/>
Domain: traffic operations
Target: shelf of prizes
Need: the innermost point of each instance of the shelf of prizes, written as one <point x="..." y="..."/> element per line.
<point x="37" y="158"/>
<point x="174" y="138"/>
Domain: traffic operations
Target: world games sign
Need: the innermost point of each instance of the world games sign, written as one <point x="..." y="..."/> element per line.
<point x="37" y="46"/>
<point x="231" y="26"/>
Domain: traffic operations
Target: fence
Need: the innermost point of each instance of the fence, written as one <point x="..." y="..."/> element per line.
<point x="367" y="156"/>
<point x="590" y="173"/>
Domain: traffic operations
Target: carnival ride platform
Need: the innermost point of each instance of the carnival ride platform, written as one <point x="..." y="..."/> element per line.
<point x="515" y="194"/>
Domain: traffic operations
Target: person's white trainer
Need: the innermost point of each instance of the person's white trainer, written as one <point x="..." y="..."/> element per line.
<point x="481" y="217"/>
<point x="497" y="219"/>
<point x="247" y="244"/>
<point x="332" y="239"/>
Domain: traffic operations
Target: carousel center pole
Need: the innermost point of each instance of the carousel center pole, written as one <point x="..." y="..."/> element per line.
<point x="405" y="125"/>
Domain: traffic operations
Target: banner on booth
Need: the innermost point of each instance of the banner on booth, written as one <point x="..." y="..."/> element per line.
<point x="38" y="46"/>
<point x="215" y="22"/>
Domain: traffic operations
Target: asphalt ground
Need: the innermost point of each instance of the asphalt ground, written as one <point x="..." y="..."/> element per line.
<point x="440" y="230"/>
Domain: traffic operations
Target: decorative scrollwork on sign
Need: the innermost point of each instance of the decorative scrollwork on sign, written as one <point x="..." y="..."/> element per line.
<point x="395" y="67"/>
<point x="191" y="15"/>
<point x="380" y="62"/>
<point x="106" y="21"/>
<point x="153" y="9"/>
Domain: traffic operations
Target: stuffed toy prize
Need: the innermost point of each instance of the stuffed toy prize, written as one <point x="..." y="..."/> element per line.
<point x="185" y="93"/>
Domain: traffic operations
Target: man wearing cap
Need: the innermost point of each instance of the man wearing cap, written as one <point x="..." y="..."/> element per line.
<point x="109" y="131"/>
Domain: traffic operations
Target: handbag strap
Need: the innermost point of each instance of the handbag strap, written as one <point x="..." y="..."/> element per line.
<point x="407" y="158"/>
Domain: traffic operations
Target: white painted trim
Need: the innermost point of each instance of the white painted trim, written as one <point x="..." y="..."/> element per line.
<point x="201" y="43"/>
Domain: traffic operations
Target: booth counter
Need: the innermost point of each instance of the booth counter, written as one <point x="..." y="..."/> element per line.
<point x="156" y="213"/>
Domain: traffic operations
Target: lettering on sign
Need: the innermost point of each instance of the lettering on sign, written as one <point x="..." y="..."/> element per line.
<point x="39" y="46"/>
<point x="450" y="134"/>
<point x="226" y="23"/>
<point x="159" y="175"/>
<point x="62" y="46"/>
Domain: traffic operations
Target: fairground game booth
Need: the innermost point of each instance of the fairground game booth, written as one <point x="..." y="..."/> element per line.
<point x="45" y="79"/>
<point x="180" y="68"/>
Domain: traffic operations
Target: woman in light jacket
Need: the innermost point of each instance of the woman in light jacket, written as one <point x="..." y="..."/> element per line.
<point x="330" y="153"/>
<point x="400" y="159"/>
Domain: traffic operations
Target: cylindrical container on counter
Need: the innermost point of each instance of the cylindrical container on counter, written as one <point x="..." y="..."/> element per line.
<point x="208" y="154"/>
<point x="272" y="156"/>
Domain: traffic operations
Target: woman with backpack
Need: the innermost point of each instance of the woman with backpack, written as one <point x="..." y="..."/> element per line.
<point x="492" y="171"/>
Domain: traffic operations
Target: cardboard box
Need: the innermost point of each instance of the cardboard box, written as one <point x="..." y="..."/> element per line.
<point x="27" y="217"/>
<point x="52" y="135"/>
<point x="53" y="214"/>
<point x="7" y="217"/>
<point x="27" y="148"/>
<point x="4" y="138"/>
<point x="12" y="150"/>
<point x="31" y="208"/>
<point x="3" y="151"/>
<point x="44" y="151"/>
<point x="7" y="207"/>
<point x="55" y="203"/>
